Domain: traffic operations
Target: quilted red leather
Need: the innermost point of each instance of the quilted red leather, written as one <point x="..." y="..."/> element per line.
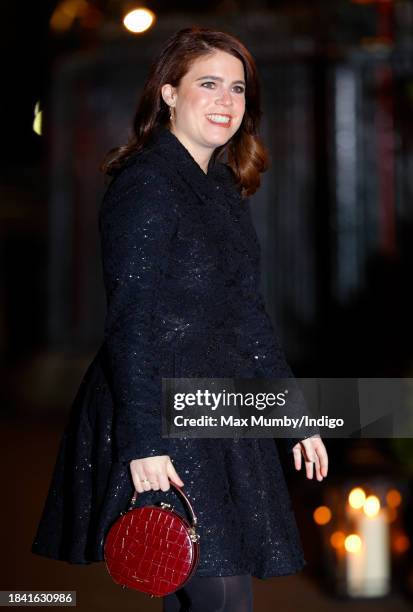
<point x="151" y="549"/>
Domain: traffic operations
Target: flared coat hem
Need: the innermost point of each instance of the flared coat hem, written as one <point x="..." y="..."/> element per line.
<point x="241" y="571"/>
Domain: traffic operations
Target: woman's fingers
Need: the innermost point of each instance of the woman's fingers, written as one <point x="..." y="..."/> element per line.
<point x="173" y="475"/>
<point x="153" y="473"/>
<point x="309" y="468"/>
<point x="136" y="477"/>
<point x="317" y="467"/>
<point x="298" y="452"/>
<point x="297" y="456"/>
<point x="309" y="457"/>
<point x="164" y="482"/>
<point x="323" y="457"/>
<point x="153" y="479"/>
<point x="137" y="483"/>
<point x="315" y="457"/>
<point x="144" y="480"/>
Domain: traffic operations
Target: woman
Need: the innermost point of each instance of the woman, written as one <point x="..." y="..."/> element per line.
<point x="181" y="272"/>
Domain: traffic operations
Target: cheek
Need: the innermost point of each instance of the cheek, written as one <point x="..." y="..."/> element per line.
<point x="240" y="109"/>
<point x="197" y="99"/>
<point x="241" y="105"/>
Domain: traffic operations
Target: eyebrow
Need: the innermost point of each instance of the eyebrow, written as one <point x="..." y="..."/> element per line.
<point x="216" y="78"/>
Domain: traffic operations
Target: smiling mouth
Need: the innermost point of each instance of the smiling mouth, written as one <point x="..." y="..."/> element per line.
<point x="217" y="119"/>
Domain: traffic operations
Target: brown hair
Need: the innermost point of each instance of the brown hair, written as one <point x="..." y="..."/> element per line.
<point x="246" y="154"/>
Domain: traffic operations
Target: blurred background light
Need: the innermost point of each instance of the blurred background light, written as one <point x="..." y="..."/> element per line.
<point x="371" y="506"/>
<point x="37" y="121"/>
<point x="401" y="543"/>
<point x="337" y="539"/>
<point x="66" y="12"/>
<point x="393" y="498"/>
<point x="69" y="12"/>
<point x="356" y="498"/>
<point x="352" y="543"/>
<point x="322" y="515"/>
<point x="139" y="20"/>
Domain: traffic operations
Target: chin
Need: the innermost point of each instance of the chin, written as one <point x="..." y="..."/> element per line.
<point x="218" y="136"/>
<point x="219" y="140"/>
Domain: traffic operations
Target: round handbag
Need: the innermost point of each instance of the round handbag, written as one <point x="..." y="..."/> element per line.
<point x="152" y="549"/>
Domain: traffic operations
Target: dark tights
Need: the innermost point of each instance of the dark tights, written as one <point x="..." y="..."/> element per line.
<point x="212" y="594"/>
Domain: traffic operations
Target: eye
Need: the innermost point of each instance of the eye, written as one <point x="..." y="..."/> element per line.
<point x="208" y="83"/>
<point x="239" y="88"/>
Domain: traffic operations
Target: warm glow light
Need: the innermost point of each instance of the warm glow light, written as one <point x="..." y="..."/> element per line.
<point x="393" y="498"/>
<point x="356" y="498"/>
<point x="37" y="121"/>
<point x="352" y="543"/>
<point x="401" y="543"/>
<point x="391" y="515"/>
<point x="66" y="12"/>
<point x="371" y="505"/>
<point x="337" y="539"/>
<point x="322" y="515"/>
<point x="139" y="20"/>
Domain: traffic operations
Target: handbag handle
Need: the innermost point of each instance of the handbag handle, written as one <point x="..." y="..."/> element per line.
<point x="194" y="520"/>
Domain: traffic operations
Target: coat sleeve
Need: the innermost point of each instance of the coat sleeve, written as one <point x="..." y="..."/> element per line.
<point x="260" y="342"/>
<point x="137" y="222"/>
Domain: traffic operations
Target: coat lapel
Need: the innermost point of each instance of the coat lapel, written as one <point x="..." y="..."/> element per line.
<point x="215" y="188"/>
<point x="210" y="188"/>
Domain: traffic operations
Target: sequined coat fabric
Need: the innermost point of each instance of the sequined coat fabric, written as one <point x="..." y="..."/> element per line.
<point x="181" y="271"/>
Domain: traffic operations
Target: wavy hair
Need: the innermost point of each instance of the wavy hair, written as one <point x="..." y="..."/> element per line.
<point x="246" y="154"/>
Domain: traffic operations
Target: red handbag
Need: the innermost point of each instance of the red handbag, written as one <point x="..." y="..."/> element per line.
<point x="152" y="549"/>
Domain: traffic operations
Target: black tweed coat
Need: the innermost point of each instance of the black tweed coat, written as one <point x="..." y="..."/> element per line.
<point x="181" y="272"/>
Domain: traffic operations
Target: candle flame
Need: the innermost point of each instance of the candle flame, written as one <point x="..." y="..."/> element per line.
<point x="356" y="498"/>
<point x="371" y="506"/>
<point x="352" y="543"/>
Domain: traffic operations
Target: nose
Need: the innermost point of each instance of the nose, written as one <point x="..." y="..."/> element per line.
<point x="225" y="97"/>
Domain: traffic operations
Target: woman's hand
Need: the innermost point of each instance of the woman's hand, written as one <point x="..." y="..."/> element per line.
<point x="314" y="453"/>
<point x="153" y="473"/>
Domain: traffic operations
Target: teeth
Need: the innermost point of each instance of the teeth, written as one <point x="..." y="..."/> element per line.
<point x="219" y="118"/>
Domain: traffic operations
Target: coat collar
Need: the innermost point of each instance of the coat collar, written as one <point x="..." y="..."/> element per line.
<point x="217" y="186"/>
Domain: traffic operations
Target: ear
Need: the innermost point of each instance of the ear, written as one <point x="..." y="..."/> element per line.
<point x="168" y="94"/>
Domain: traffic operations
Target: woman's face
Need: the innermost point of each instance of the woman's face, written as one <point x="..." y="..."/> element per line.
<point x="209" y="102"/>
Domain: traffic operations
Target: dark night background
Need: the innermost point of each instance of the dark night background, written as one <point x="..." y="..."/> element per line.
<point x="334" y="216"/>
